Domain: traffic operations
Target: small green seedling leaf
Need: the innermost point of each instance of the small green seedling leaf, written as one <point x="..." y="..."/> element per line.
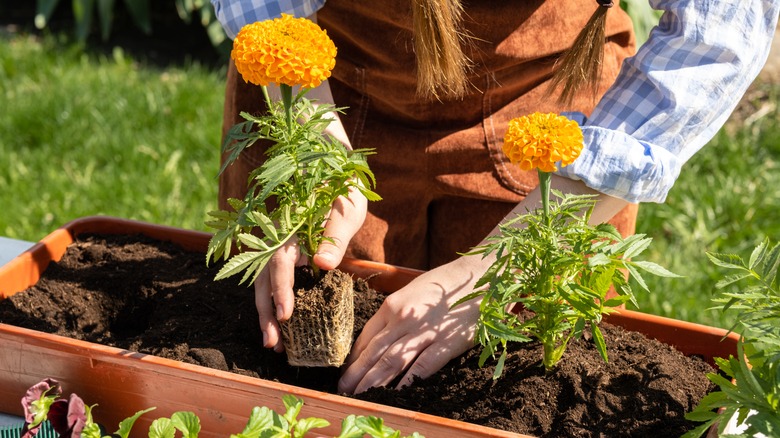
<point x="187" y="423"/>
<point x="162" y="428"/>
<point x="126" y="425"/>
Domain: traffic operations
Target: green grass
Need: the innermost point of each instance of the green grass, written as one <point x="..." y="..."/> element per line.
<point x="91" y="134"/>
<point x="88" y="134"/>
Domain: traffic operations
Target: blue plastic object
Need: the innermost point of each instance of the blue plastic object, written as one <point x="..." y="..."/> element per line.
<point x="46" y="431"/>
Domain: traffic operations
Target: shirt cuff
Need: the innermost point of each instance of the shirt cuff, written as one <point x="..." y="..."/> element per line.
<point x="614" y="163"/>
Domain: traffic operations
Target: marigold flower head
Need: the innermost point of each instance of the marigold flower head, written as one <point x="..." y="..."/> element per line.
<point x="285" y="50"/>
<point x="538" y="141"/>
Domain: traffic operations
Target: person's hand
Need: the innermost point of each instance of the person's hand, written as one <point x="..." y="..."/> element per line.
<point x="415" y="332"/>
<point x="274" y="285"/>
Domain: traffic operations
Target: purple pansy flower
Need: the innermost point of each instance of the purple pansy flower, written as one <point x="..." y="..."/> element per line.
<point x="36" y="403"/>
<point x="68" y="418"/>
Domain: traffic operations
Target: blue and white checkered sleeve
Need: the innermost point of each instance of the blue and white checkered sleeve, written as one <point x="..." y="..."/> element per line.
<point x="234" y="14"/>
<point x="673" y="96"/>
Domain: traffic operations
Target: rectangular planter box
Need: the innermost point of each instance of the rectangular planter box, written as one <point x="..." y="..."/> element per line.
<point x="122" y="382"/>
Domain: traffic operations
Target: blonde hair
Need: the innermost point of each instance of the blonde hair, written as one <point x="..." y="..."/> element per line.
<point x="441" y="62"/>
<point x="581" y="65"/>
<point x="442" y="65"/>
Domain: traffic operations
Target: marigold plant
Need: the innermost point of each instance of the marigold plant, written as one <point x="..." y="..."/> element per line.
<point x="551" y="262"/>
<point x="291" y="193"/>
<point x="749" y="395"/>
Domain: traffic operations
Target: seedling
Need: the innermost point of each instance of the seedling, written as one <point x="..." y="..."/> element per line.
<point x="750" y="389"/>
<point x="291" y="193"/>
<point x="551" y="262"/>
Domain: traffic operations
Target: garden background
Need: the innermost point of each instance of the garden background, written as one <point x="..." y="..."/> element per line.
<point x="125" y="121"/>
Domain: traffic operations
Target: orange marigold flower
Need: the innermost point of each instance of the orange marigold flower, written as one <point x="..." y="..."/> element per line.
<point x="538" y="141"/>
<point x="286" y="50"/>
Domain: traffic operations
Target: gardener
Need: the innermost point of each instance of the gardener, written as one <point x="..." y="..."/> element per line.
<point x="431" y="88"/>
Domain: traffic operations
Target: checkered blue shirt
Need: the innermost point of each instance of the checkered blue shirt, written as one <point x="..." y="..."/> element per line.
<point x="667" y="102"/>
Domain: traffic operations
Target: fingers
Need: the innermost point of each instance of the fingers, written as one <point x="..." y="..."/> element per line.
<point x="265" y="305"/>
<point x="413" y="334"/>
<point x="431" y="360"/>
<point x="385" y="348"/>
<point x="377" y="357"/>
<point x="281" y="269"/>
<point x="274" y="293"/>
<point x="380" y="363"/>
<point x="345" y="219"/>
<point x="355" y="368"/>
<point x="382" y="360"/>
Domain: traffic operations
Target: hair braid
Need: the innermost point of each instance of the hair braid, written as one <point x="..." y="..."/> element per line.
<point x="581" y="65"/>
<point x="441" y="63"/>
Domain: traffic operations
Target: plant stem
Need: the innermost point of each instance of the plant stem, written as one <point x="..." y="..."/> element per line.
<point x="287" y="102"/>
<point x="544" y="186"/>
<point x="546" y="322"/>
<point x="315" y="269"/>
<point x="548" y="357"/>
<point x="311" y="247"/>
<point x="266" y="97"/>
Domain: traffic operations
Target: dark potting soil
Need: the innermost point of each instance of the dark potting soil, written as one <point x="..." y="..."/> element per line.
<point x="139" y="294"/>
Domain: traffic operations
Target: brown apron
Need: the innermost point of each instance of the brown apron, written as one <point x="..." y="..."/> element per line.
<point x="438" y="164"/>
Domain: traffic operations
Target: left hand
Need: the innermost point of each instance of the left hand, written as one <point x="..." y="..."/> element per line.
<point x="415" y="332"/>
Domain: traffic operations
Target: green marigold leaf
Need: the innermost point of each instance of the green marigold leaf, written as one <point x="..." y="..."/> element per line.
<point x="500" y="365"/>
<point x="598" y="340"/>
<point x="731" y="279"/>
<point x="655" y="269"/>
<point x="758" y="254"/>
<point x="237" y="263"/>
<point x="637" y="246"/>
<point x="252" y="241"/>
<point x="728" y="261"/>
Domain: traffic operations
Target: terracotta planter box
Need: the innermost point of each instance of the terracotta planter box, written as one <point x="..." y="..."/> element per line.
<point x="123" y="382"/>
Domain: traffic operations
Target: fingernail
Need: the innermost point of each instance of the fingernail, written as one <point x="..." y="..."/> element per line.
<point x="265" y="338"/>
<point x="279" y="312"/>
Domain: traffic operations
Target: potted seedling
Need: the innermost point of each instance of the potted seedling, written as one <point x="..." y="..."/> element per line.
<point x="553" y="270"/>
<point x="290" y="195"/>
<point x="71" y="417"/>
<point x="748" y="403"/>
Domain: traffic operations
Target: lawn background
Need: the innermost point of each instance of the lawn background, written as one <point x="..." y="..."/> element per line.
<point x="111" y="129"/>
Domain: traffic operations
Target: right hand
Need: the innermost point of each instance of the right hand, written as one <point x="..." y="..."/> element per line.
<point x="274" y="286"/>
<point x="416" y="332"/>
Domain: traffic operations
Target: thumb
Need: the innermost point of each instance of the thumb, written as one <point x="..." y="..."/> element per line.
<point x="345" y="219"/>
<point x="330" y="253"/>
